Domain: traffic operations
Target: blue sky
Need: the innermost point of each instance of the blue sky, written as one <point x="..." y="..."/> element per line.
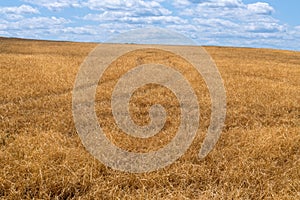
<point x="250" y="23"/>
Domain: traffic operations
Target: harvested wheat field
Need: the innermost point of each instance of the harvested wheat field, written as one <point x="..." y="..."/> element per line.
<point x="42" y="157"/>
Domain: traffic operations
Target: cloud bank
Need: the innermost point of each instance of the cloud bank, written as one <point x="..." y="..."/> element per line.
<point x="207" y="22"/>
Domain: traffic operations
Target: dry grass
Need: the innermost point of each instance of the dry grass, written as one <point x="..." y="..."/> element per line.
<point x="41" y="157"/>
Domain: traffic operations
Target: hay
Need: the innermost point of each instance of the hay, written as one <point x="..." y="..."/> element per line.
<point x="257" y="156"/>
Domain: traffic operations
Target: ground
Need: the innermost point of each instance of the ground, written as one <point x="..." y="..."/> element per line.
<point x="42" y="157"/>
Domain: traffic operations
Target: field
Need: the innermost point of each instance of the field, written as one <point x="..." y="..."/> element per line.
<point x="42" y="157"/>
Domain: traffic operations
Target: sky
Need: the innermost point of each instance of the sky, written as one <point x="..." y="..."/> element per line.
<point x="242" y="23"/>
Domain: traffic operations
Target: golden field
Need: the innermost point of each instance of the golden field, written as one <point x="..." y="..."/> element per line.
<point x="42" y="157"/>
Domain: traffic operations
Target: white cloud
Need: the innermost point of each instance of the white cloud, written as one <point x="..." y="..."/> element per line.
<point x="36" y="23"/>
<point x="131" y="12"/>
<point x="4" y="33"/>
<point x="120" y="4"/>
<point x="181" y="3"/>
<point x="152" y="35"/>
<point x="101" y="4"/>
<point x="160" y="20"/>
<point x="17" y="12"/>
<point x="55" y="4"/>
<point x="297" y="29"/>
<point x="137" y="7"/>
<point x="264" y="27"/>
<point x="215" y="22"/>
<point x="260" y="8"/>
<point x="107" y="16"/>
<point x="231" y="22"/>
<point x="23" y="9"/>
<point x="221" y="3"/>
<point x="3" y="25"/>
<point x="13" y="17"/>
<point x="83" y="30"/>
<point x="236" y="16"/>
<point x="295" y="33"/>
<point x="131" y="18"/>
